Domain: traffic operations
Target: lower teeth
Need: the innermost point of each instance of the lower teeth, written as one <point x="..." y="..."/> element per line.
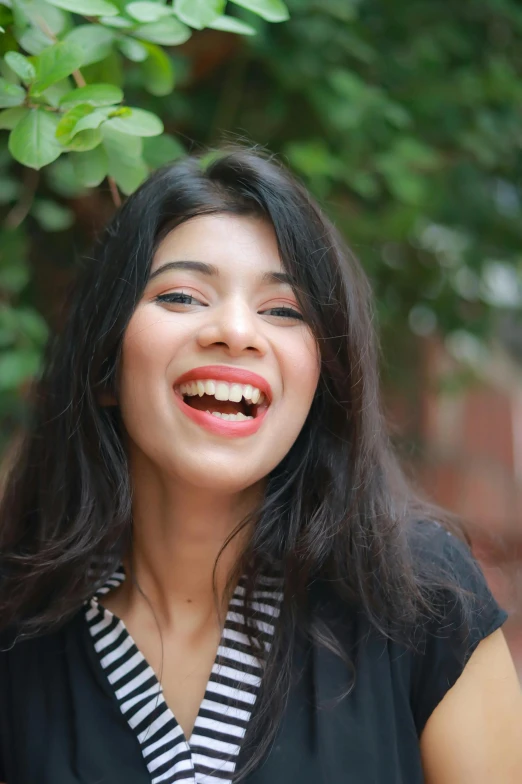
<point x="230" y="417"/>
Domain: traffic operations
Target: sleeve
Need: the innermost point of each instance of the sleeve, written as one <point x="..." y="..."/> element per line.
<point x="447" y="641"/>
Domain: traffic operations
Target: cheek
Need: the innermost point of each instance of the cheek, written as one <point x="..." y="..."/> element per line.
<point x="304" y="364"/>
<point x="144" y="361"/>
<point x="147" y="342"/>
<point x="300" y="378"/>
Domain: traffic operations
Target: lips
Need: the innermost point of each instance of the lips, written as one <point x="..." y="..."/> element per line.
<point x="229" y="429"/>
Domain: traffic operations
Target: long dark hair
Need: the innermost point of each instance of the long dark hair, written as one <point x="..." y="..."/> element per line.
<point x="336" y="508"/>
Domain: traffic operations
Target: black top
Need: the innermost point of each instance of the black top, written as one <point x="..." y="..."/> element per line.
<point x="60" y="721"/>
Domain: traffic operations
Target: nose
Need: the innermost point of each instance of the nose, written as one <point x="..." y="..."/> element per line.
<point x="234" y="326"/>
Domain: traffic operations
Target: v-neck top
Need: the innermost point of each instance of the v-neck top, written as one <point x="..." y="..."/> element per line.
<point x="66" y="710"/>
<point x="209" y="756"/>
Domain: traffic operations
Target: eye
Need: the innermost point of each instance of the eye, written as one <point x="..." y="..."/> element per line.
<point x="285" y="313"/>
<point x="177" y="298"/>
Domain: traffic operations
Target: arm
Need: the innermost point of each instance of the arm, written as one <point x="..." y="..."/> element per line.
<point x="474" y="735"/>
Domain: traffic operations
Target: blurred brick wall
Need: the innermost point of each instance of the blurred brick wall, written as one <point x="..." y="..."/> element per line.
<point x="469" y="460"/>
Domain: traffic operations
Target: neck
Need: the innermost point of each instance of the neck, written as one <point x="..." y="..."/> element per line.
<point x="178" y="533"/>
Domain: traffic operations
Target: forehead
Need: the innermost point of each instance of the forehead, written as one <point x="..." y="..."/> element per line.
<point x="226" y="241"/>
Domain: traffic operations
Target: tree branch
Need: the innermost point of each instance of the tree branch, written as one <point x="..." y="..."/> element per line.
<point x="78" y="78"/>
<point x="80" y="82"/>
<point x="19" y="212"/>
<point x="114" y="191"/>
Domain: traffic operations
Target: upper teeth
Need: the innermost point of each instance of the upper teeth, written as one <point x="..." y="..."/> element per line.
<point x="222" y="390"/>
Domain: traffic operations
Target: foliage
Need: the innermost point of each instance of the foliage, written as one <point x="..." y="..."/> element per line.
<point x="63" y="80"/>
<point x="404" y="118"/>
<point x="59" y="112"/>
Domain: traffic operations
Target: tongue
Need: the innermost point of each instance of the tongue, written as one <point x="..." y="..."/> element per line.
<point x="209" y="403"/>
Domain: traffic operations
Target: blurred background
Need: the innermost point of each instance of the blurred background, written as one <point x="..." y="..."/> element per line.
<point x="405" y="121"/>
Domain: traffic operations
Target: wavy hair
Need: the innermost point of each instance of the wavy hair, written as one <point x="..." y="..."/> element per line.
<point x="335" y="509"/>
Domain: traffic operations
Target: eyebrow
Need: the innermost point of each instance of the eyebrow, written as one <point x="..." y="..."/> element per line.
<point x="212" y="271"/>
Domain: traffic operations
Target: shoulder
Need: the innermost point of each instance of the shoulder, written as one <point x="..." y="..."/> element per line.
<point x="435" y="546"/>
<point x="454" y="581"/>
<point x="466" y="695"/>
<point x="425" y="660"/>
<point x="474" y="733"/>
<point x="464" y="613"/>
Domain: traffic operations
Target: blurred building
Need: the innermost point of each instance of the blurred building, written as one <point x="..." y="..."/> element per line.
<point x="468" y="458"/>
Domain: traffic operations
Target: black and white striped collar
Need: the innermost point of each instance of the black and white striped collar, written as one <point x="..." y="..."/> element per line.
<point x="210" y="755"/>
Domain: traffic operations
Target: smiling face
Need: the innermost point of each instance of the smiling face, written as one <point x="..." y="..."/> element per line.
<point x="222" y="326"/>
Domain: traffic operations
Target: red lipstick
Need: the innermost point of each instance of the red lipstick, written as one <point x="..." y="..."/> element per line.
<point x="232" y="375"/>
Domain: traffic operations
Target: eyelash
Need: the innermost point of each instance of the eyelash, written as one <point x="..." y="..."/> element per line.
<point x="170" y="300"/>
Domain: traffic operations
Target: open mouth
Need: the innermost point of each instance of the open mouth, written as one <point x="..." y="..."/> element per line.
<point x="232" y="402"/>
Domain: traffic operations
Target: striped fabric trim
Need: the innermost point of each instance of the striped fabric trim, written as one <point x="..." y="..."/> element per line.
<point x="210" y="755"/>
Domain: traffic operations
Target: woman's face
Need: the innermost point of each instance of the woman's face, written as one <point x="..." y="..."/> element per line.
<point x="216" y="321"/>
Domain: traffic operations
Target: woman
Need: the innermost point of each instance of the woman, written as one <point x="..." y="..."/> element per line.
<point x="211" y="568"/>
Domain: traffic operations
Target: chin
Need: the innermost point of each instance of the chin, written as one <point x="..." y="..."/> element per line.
<point x="221" y="482"/>
<point x="215" y="475"/>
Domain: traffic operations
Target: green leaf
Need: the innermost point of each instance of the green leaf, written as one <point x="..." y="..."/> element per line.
<point x="271" y="10"/>
<point x="18" y="366"/>
<point x="163" y="149"/>
<point x="199" y="13"/>
<point x="14" y="268"/>
<point x="52" y="216"/>
<point x="108" y="71"/>
<point x="20" y="65"/>
<point x="10" y="118"/>
<point x="31" y="325"/>
<point x="138" y="123"/>
<point x="19" y="16"/>
<point x="9" y="190"/>
<point x="132" y="49"/>
<point x="86" y="7"/>
<point x="147" y="11"/>
<point x="168" y="32"/>
<point x="115" y="142"/>
<point x="43" y="15"/>
<point x="14" y="279"/>
<point x="158" y="71"/>
<point x="120" y="111"/>
<point x="34" y="40"/>
<point x="11" y="320"/>
<point x="229" y="24"/>
<point x="10" y="94"/>
<point x="54" y="94"/>
<point x="62" y="179"/>
<point x="94" y="119"/>
<point x="91" y="167"/>
<point x="55" y="63"/>
<point x="67" y="124"/>
<point x="128" y="176"/>
<point x="125" y="163"/>
<point x="118" y="22"/>
<point x="94" y="41"/>
<point x="33" y="142"/>
<point x="312" y="158"/>
<point x="85" y="140"/>
<point x="95" y="94"/>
